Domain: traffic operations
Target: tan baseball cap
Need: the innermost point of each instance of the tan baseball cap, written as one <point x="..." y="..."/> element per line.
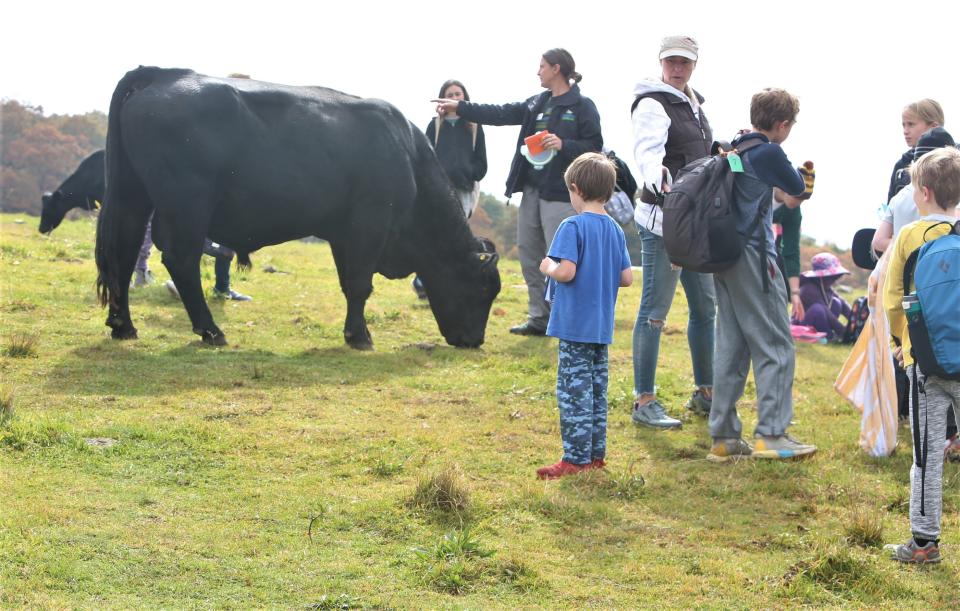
<point x="683" y="46"/>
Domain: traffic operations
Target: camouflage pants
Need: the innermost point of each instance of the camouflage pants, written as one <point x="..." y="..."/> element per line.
<point x="582" y="400"/>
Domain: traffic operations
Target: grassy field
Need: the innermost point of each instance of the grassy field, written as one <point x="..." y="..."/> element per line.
<point x="288" y="471"/>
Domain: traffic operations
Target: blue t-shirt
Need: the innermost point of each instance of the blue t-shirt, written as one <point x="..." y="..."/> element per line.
<point x="583" y="308"/>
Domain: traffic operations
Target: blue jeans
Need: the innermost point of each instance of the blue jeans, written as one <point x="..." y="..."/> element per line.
<point x="659" y="286"/>
<point x="582" y="400"/>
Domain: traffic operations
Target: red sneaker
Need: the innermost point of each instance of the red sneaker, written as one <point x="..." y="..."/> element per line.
<point x="597" y="463"/>
<point x="560" y="469"/>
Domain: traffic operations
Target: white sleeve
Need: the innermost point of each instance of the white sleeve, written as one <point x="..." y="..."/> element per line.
<point x="650" y="127"/>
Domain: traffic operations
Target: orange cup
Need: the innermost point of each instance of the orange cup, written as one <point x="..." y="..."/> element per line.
<point x="535" y="142"/>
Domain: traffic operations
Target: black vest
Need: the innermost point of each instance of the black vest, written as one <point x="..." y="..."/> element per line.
<point x="687" y="139"/>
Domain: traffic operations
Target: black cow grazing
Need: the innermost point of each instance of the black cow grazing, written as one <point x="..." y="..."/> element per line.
<point x="251" y="164"/>
<point x="82" y="189"/>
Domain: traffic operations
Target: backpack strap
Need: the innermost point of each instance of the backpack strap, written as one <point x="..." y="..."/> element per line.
<point x="911" y="263"/>
<point x="437" y="122"/>
<point x="473" y="131"/>
<point x="723" y="149"/>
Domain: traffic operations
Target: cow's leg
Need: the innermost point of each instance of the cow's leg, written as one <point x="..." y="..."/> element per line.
<point x="181" y="241"/>
<point x="185" y="271"/>
<point x="132" y="224"/>
<point x="356" y="260"/>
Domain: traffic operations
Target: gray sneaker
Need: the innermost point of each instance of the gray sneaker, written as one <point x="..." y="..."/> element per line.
<point x="727" y="450"/>
<point x="700" y="404"/>
<point x="142" y="277"/>
<point x="912" y="553"/>
<point x="653" y="415"/>
<point x="231" y="294"/>
<point x="782" y="447"/>
<point x="172" y="288"/>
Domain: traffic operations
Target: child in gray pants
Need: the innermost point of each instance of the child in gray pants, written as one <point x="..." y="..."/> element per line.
<point x="752" y="324"/>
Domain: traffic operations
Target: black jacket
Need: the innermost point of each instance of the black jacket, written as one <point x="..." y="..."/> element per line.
<point x="463" y="161"/>
<point x="574" y="120"/>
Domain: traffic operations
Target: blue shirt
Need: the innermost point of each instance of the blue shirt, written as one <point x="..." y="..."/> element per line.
<point x="583" y="308"/>
<point x="764" y="167"/>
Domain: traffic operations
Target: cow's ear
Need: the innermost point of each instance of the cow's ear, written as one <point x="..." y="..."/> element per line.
<point x="487" y="245"/>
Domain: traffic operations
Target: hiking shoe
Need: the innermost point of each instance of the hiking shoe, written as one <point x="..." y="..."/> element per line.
<point x="700" y="404"/>
<point x="142" y="277"/>
<point x="912" y="553"/>
<point x="528" y="328"/>
<point x="172" y="288"/>
<point x="653" y="415"/>
<point x="729" y="450"/>
<point x="781" y="447"/>
<point x="231" y="294"/>
<point x="418" y="288"/>
<point x="560" y="469"/>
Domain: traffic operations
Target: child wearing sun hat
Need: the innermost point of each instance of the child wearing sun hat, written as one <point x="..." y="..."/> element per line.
<point x="821" y="304"/>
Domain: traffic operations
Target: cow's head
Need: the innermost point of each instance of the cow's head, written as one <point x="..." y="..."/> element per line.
<point x="461" y="295"/>
<point x="57" y="204"/>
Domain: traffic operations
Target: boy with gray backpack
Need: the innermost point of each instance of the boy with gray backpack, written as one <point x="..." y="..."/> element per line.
<point x="752" y="323"/>
<point x="920" y="297"/>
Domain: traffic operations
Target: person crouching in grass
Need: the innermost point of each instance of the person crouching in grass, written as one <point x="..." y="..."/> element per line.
<point x="586" y="265"/>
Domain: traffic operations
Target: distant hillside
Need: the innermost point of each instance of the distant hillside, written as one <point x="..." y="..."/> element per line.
<point x="39" y="152"/>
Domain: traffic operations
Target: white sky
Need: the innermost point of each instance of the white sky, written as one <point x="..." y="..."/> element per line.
<point x="854" y="65"/>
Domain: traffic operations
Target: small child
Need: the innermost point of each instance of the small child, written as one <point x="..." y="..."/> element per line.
<point x="936" y="181"/>
<point x="586" y="264"/>
<point x="752" y="323"/>
<point x="822" y="306"/>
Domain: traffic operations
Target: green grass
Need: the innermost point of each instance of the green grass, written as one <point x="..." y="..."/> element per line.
<point x="288" y="471"/>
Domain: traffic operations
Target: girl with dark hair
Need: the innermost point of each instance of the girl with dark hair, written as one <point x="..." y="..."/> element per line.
<point x="460" y="148"/>
<point x="462" y="153"/>
<point x="568" y="125"/>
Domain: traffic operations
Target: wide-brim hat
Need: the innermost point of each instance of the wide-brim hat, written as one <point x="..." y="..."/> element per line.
<point x="825" y="264"/>
<point x="864" y="256"/>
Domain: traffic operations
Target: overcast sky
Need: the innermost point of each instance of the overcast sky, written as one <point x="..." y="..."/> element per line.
<point x="854" y="65"/>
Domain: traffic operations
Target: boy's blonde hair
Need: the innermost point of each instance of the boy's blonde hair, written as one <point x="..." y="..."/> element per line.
<point x="594" y="175"/>
<point x="927" y="110"/>
<point x="939" y="171"/>
<point x="771" y="106"/>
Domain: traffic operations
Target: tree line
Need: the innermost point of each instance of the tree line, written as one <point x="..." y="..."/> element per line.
<point x="40" y="151"/>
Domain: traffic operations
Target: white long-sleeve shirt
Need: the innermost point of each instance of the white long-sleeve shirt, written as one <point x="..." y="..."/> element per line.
<point x="651" y="125"/>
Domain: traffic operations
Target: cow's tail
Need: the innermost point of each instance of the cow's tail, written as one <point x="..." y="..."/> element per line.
<point x="118" y="166"/>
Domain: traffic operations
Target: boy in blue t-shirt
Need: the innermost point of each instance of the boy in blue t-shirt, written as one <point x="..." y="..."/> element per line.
<point x="587" y="264"/>
<point x="752" y="324"/>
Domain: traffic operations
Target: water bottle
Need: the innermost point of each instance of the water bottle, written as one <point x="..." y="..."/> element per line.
<point x="911" y="307"/>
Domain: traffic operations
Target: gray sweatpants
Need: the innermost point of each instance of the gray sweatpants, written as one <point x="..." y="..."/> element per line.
<point x="537" y="222"/>
<point x="926" y="489"/>
<point x="752" y="327"/>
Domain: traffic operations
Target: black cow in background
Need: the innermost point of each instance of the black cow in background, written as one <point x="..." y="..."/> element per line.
<point x="82" y="189"/>
<point x="252" y="164"/>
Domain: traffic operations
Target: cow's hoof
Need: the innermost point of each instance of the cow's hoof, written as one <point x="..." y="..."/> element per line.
<point x="359" y="343"/>
<point x="124" y="333"/>
<point x="214" y="337"/>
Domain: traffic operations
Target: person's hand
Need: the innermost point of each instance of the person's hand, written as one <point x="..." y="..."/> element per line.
<point x="797" y="308"/>
<point x="898" y="354"/>
<point x="548" y="265"/>
<point x="665" y="181"/>
<point x="446" y="105"/>
<point x="551" y="142"/>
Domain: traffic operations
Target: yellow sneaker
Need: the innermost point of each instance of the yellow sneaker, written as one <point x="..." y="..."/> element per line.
<point x="729" y="450"/>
